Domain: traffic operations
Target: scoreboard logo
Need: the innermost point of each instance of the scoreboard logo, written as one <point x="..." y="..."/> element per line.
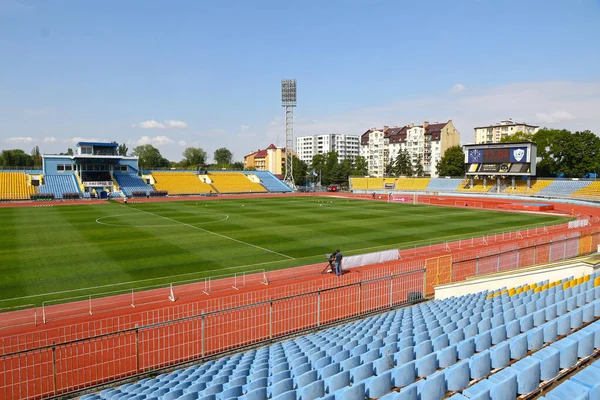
<point x="518" y="154"/>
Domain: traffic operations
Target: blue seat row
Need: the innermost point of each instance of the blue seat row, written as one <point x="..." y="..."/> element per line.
<point x="59" y="185"/>
<point x="424" y="350"/>
<point x="130" y="183"/>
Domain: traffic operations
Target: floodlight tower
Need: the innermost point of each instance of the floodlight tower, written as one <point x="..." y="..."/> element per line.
<point x="288" y="100"/>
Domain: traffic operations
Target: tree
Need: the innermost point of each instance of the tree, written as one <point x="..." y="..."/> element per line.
<point x="150" y="157"/>
<point x="562" y="153"/>
<point x="36" y="156"/>
<point x="452" y="162"/>
<point x="222" y="156"/>
<point x="419" y="166"/>
<point x="403" y="164"/>
<point x="238" y="165"/>
<point x="122" y="150"/>
<point x="517" y="137"/>
<point x="15" y="158"/>
<point x="299" y="169"/>
<point x="193" y="156"/>
<point x="69" y="151"/>
<point x="360" y="167"/>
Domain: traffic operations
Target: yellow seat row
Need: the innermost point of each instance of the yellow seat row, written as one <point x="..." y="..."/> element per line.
<point x="235" y="182"/>
<point x="521" y="187"/>
<point x="412" y="183"/>
<point x="180" y="183"/>
<point x="565" y="283"/>
<point x="14" y="186"/>
<point x="590" y="192"/>
<point x="465" y="186"/>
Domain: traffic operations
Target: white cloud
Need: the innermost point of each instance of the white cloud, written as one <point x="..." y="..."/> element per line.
<point x="171" y="123"/>
<point x="458" y="87"/>
<point x="552" y="118"/>
<point x="19" y="139"/>
<point x="155" y="141"/>
<point x="182" y="143"/>
<point x="77" y="139"/>
<point x="49" y="139"/>
<point x="153" y="124"/>
<point x="244" y="127"/>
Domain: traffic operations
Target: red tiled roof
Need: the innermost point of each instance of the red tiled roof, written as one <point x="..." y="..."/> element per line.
<point x="261" y="154"/>
<point x="271" y="147"/>
<point x="435" y="130"/>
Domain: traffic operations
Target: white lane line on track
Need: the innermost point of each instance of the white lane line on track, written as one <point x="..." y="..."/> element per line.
<point x="217" y="234"/>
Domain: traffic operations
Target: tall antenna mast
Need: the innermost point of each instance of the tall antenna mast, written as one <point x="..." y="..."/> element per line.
<point x="288" y="100"/>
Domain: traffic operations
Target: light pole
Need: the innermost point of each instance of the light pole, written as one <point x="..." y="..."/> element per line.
<point x="288" y="100"/>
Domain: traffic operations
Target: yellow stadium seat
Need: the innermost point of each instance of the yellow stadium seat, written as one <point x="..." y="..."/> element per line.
<point x="235" y="182"/>
<point x="537" y="289"/>
<point x="579" y="280"/>
<point x="597" y="281"/>
<point x="177" y="183"/>
<point x="545" y="287"/>
<point x="566" y="285"/>
<point x="586" y="278"/>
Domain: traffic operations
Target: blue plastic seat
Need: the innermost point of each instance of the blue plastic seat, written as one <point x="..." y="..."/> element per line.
<point x="568" y="390"/>
<point x="405" y="374"/>
<point x="568" y="352"/>
<point x="458" y="376"/>
<point x="337" y="381"/>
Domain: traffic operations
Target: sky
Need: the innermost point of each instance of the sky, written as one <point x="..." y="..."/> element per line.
<point x="207" y="74"/>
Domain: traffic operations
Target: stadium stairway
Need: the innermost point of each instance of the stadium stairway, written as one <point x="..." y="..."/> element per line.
<point x="474" y="347"/>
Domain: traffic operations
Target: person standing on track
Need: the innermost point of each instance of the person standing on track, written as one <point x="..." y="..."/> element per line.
<point x="338" y="263"/>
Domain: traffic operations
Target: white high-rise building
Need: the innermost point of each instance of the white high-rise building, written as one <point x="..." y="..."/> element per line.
<point x="347" y="146"/>
<point x="426" y="142"/>
<point x="495" y="133"/>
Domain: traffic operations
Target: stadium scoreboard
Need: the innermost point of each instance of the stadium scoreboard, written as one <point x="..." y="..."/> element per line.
<point x="505" y="159"/>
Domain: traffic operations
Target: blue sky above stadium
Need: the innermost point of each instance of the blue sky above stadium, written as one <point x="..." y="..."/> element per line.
<point x="207" y="73"/>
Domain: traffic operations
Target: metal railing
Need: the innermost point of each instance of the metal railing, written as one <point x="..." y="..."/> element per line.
<point x="60" y="368"/>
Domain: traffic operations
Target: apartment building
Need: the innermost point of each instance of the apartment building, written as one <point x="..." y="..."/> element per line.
<point x="427" y="142"/>
<point x="495" y="133"/>
<point x="270" y="159"/>
<point x="347" y="146"/>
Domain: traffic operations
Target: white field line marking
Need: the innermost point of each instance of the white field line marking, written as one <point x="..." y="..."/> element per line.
<point x="217" y="234"/>
<point x="99" y="221"/>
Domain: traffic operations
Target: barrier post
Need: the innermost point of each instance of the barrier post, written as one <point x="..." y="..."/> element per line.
<point x="359" y="297"/>
<point x="54" y="366"/>
<point x="270" y="319"/>
<point x="90" y="304"/>
<point x="318" y="307"/>
<point x="391" y="291"/>
<point x="235" y="281"/>
<point x="171" y="295"/>
<point x="137" y="349"/>
<point x="132" y="299"/>
<point x="202" y="339"/>
<point x="44" y="312"/>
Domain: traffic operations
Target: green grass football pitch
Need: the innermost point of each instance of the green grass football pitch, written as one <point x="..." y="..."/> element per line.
<point x="52" y="249"/>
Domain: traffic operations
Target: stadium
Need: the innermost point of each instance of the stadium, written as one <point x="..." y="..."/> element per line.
<point x="214" y="284"/>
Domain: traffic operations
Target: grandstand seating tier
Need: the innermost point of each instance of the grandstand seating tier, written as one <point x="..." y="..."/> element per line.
<point x="234" y="182"/>
<point x="270" y="181"/>
<point x="130" y="183"/>
<point x="475" y="346"/>
<point x="412" y="183"/>
<point x="14" y="186"/>
<point x="521" y="187"/>
<point x="59" y="185"/>
<point x="176" y="183"/>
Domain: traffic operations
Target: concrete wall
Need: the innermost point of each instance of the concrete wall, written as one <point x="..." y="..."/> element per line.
<point x="513" y="279"/>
